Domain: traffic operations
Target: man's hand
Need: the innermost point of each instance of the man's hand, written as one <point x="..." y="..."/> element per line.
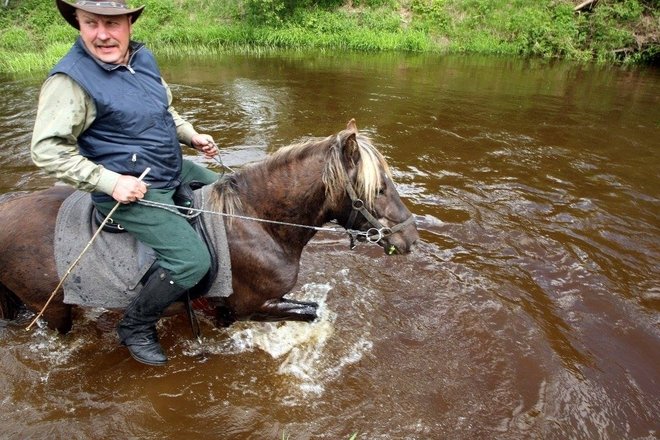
<point x="205" y="144"/>
<point x="129" y="189"/>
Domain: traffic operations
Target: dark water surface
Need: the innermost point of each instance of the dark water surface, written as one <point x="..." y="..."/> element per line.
<point x="529" y="310"/>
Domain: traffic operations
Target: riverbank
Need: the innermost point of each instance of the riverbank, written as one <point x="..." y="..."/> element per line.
<point x="33" y="36"/>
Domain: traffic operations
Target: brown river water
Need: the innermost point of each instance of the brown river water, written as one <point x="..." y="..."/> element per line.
<point x="529" y="310"/>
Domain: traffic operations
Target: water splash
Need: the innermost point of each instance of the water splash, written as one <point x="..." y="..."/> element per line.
<point x="49" y="345"/>
<point x="301" y="346"/>
<point x="307" y="358"/>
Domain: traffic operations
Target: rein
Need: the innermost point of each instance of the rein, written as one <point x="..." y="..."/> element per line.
<point x="195" y="212"/>
<point x="372" y="235"/>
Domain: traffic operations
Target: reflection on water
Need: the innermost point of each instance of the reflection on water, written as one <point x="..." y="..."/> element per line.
<point x="529" y="309"/>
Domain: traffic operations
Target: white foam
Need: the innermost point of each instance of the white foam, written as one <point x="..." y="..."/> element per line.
<point x="308" y="359"/>
<point x="278" y="339"/>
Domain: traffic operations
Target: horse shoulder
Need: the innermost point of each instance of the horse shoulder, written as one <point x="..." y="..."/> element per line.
<point x="261" y="263"/>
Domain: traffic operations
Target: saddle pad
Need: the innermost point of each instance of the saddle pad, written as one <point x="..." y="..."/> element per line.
<point x="109" y="272"/>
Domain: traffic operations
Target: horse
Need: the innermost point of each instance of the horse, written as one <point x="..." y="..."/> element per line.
<point x="341" y="178"/>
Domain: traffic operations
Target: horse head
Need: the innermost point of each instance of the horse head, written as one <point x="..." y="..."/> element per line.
<point x="358" y="178"/>
<point x="355" y="188"/>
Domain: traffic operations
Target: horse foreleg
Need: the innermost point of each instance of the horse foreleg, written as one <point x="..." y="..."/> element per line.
<point x="286" y="310"/>
<point x="271" y="311"/>
<point x="222" y="312"/>
<point x="9" y="304"/>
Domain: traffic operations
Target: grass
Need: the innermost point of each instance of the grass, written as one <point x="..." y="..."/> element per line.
<point x="33" y="35"/>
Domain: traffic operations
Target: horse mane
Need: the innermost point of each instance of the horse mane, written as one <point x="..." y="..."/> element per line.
<point x="370" y="167"/>
<point x="368" y="177"/>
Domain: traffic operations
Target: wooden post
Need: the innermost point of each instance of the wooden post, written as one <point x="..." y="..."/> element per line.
<point x="585" y="5"/>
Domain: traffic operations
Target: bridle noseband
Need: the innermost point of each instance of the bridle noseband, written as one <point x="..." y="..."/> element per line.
<point x="378" y="231"/>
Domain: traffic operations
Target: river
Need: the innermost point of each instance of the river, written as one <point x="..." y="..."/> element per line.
<point x="529" y="309"/>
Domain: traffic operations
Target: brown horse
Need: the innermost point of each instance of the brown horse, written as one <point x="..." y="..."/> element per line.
<point x="342" y="177"/>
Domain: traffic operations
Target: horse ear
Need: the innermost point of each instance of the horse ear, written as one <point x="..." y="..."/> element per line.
<point x="351" y="126"/>
<point x="351" y="149"/>
<point x="349" y="145"/>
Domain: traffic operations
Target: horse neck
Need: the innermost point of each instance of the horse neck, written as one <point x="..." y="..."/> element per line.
<point x="288" y="191"/>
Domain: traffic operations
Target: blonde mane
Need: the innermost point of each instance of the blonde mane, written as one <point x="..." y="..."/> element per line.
<point x="368" y="176"/>
<point x="334" y="176"/>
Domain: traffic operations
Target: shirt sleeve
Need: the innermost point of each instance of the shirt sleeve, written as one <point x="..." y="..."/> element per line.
<point x="63" y="113"/>
<point x="184" y="129"/>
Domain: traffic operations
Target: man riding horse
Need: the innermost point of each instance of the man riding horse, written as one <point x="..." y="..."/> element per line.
<point x="104" y="116"/>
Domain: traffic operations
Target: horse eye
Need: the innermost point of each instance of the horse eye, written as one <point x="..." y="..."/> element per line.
<point x="381" y="191"/>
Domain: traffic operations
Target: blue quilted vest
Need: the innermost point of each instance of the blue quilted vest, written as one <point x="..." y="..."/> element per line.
<point x="133" y="129"/>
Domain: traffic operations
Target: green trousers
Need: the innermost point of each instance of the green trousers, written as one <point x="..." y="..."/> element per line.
<point x="178" y="248"/>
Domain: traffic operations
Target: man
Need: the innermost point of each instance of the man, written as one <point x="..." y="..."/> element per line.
<point x="104" y="116"/>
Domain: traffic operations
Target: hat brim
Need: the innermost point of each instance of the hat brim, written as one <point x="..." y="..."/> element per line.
<point x="68" y="11"/>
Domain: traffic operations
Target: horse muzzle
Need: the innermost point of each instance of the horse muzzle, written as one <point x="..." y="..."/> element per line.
<point x="400" y="242"/>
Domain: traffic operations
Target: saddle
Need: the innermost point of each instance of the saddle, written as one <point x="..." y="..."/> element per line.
<point x="184" y="197"/>
<point x="113" y="269"/>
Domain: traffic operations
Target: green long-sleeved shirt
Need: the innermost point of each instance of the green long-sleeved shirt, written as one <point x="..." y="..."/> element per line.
<point x="65" y="111"/>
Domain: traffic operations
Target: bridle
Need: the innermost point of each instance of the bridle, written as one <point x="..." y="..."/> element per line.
<point x="375" y="234"/>
<point x="378" y="231"/>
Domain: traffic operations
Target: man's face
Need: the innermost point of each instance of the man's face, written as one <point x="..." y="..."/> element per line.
<point x="106" y="36"/>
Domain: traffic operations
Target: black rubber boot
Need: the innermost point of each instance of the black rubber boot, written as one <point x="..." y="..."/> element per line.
<point x="137" y="331"/>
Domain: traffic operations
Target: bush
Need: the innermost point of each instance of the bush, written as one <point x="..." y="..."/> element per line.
<point x="543" y="32"/>
<point x="432" y="12"/>
<point x="603" y="31"/>
<point x="375" y="3"/>
<point x="265" y="12"/>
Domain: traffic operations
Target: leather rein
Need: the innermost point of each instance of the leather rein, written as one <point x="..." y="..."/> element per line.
<point x="375" y="234"/>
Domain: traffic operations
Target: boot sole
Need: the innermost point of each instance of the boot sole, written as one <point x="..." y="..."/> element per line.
<point x="146" y="361"/>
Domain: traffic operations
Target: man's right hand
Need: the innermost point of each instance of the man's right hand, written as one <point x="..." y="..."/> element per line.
<point x="129" y="189"/>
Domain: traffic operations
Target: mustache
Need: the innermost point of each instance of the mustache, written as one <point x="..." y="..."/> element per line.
<point x="106" y="43"/>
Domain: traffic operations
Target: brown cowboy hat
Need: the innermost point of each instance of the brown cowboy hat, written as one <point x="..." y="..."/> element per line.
<point x="117" y="7"/>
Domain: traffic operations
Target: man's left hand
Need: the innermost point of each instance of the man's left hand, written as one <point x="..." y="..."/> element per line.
<point x="205" y="144"/>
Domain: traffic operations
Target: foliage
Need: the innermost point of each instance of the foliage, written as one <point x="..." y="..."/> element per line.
<point x="31" y="31"/>
<point x="545" y="28"/>
<point x="601" y="31"/>
<point x="275" y="12"/>
<point x="375" y="3"/>
<point x="266" y="12"/>
<point x="433" y="13"/>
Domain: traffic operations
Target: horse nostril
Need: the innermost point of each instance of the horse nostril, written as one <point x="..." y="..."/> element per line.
<point x="411" y="246"/>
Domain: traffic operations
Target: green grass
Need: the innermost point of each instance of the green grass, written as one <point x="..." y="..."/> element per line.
<point x="28" y="62"/>
<point x="33" y="35"/>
